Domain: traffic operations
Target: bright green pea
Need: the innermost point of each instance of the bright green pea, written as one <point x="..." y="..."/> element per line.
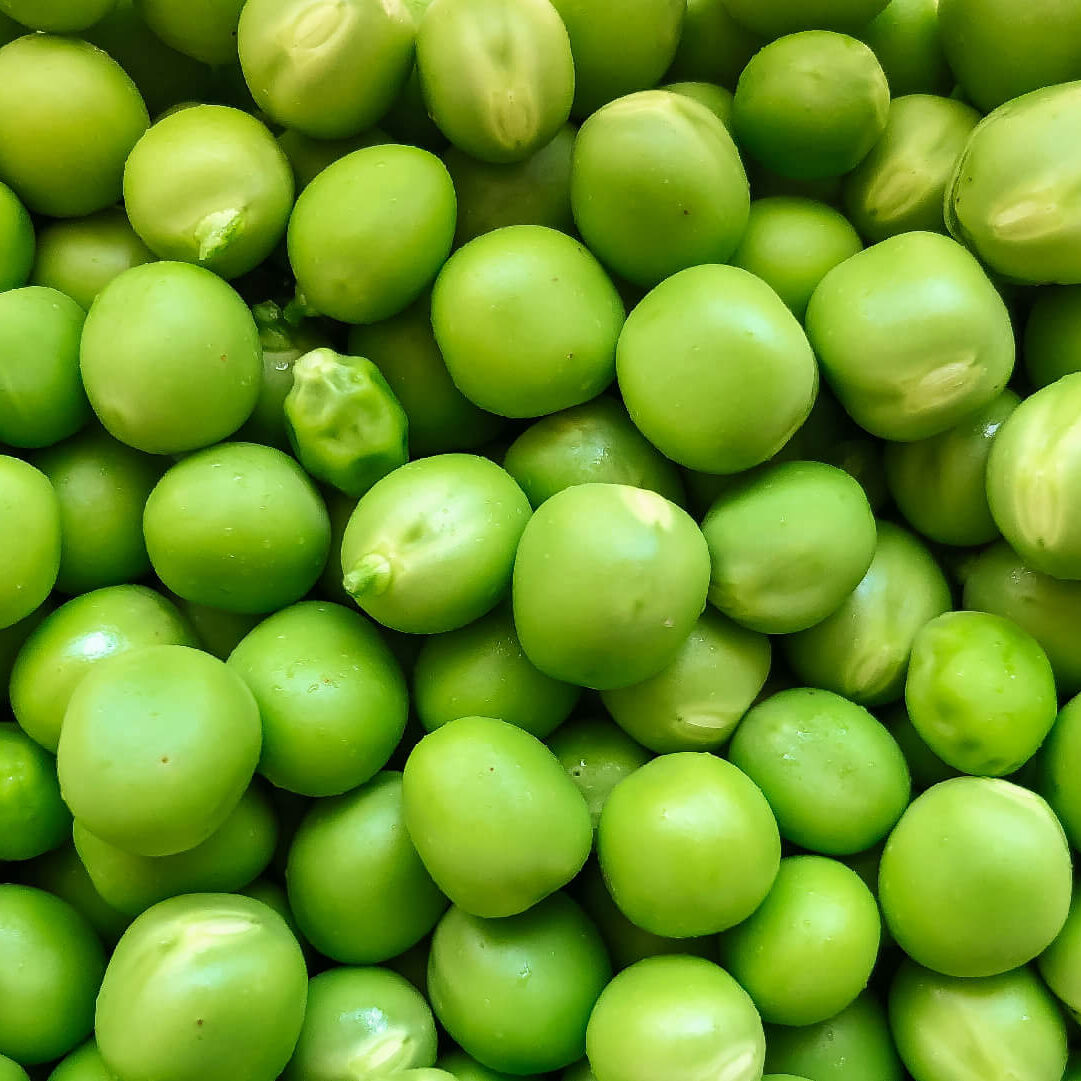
<point x="1032" y="479"/>
<point x="170" y="358"/>
<point x="327" y="70"/>
<point x="237" y="526"/>
<point x="431" y="546"/>
<point x="17" y="241"/>
<point x="772" y="18"/>
<point x="680" y="1018"/>
<point x="712" y="46"/>
<point x="907" y="39"/>
<point x="480" y="670"/>
<point x="695" y="703"/>
<point x="808" y="950"/>
<point x="1060" y="963"/>
<point x="43" y="400"/>
<point x="657" y="185"/>
<point x="33" y="818"/>
<point x="1059" y="762"/>
<point x="83" y="1064"/>
<point x="969" y="854"/>
<point x="57" y="16"/>
<point x="205" y="31"/>
<point x="791" y="243"/>
<point x="494" y="816"/>
<point x="370" y="232"/>
<point x="516" y="993"/>
<point x="924" y="765"/>
<point x="309" y="156"/>
<point x="739" y="376"/>
<point x="1000" y="1028"/>
<point x="1052" y="342"/>
<point x="30" y="545"/>
<point x="157" y="748"/>
<point x="618" y="48"/>
<point x="207" y="985"/>
<point x="209" y="185"/>
<point x="69" y="117"/>
<point x="811" y="105"/>
<point x="716" y="98"/>
<point x="50" y="968"/>
<point x="609" y="581"/>
<point x="464" y="1068"/>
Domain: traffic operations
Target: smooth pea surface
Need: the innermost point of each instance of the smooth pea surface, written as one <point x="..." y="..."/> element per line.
<point x="1060" y="963"/>
<point x="17" y="241"/>
<point x="57" y="16"/>
<point x="1052" y="341"/>
<point x="309" y="156"/>
<point x="1058" y="764"/>
<point x="29" y="539"/>
<point x="33" y="818"/>
<point x="205" y="32"/>
<point x="712" y="46"/>
<point x="715" y="98"/>
<point x="907" y="39"/>
<point x="772" y="18"/>
<point x="83" y="1064"/>
<point x="465" y="1068"/>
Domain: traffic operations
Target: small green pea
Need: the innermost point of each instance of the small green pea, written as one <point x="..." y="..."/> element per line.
<point x="925" y="766"/>
<point x="33" y="818"/>
<point x="1060" y="963"/>
<point x="716" y="98"/>
<point x="309" y="156"/>
<point x="83" y="1064"/>
<point x="907" y="39"/>
<point x="57" y="16"/>
<point x="712" y="46"/>
<point x="1052" y="341"/>
<point x="206" y="33"/>
<point x="17" y="240"/>
<point x="30" y="545"/>
<point x="772" y="18"/>
<point x="1058" y="763"/>
<point x="464" y="1068"/>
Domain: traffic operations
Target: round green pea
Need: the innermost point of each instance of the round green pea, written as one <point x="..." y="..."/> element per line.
<point x="772" y="18"/>
<point x="973" y="853"/>
<point x="695" y="703"/>
<point x="712" y="46"/>
<point x="465" y="1068"/>
<point x="17" y="243"/>
<point x="207" y="985"/>
<point x="309" y="156"/>
<point x="370" y="232"/>
<point x="609" y="581"/>
<point x="494" y="816"/>
<point x="926" y="767"/>
<point x="716" y="98"/>
<point x="83" y="1064"/>
<point x="1060" y="963"/>
<point x="680" y="1018"/>
<point x="57" y="16"/>
<point x="1052" y="341"/>
<point x="237" y="526"/>
<point x="657" y="185"/>
<point x="1058" y="763"/>
<point x="33" y="818"/>
<point x="69" y="116"/>
<point x="205" y="32"/>
<point x="430" y="547"/>
<point x="516" y="993"/>
<point x="907" y="39"/>
<point x="30" y="544"/>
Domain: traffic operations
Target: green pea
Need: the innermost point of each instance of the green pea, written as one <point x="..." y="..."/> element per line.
<point x="370" y="232"/>
<point x="657" y="185"/>
<point x="13" y="637"/>
<point x="480" y="670"/>
<point x="924" y="765"/>
<point x="83" y="1064"/>
<point x="225" y="960"/>
<point x="808" y="950"/>
<point x="712" y="46"/>
<point x="157" y="748"/>
<point x="33" y="818"/>
<point x="772" y="18"/>
<point x="594" y="442"/>
<point x="496" y="820"/>
<point x="811" y="105"/>
<point x="647" y="32"/>
<point x="1031" y="478"/>
<point x="309" y="156"/>
<point x="768" y="184"/>
<point x="329" y="72"/>
<point x="238" y="526"/>
<point x="1052" y="340"/>
<point x="907" y="39"/>
<point x="231" y="857"/>
<point x="679" y="1018"/>
<point x="43" y="399"/>
<point x="209" y="185"/>
<point x="973" y="853"/>
<point x="57" y="16"/>
<point x="1059" y="762"/>
<point x="1060" y="963"/>
<point x="203" y="31"/>
<point x="30" y="548"/>
<point x="170" y="358"/>
<point x="695" y="703"/>
<point x="1001" y="1027"/>
<point x="217" y="631"/>
<point x="50" y="968"/>
<point x="407" y="120"/>
<point x="464" y="1068"/>
<point x="608" y="583"/>
<point x="791" y="243"/>
<point x="17" y="238"/>
<point x="597" y="755"/>
<point x="716" y="98"/>
<point x="431" y="546"/>
<point x="853" y="1046"/>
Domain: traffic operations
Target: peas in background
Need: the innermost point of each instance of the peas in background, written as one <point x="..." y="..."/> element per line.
<point x="861" y="458"/>
<point x="1052" y="336"/>
<point x="1012" y="1026"/>
<point x="459" y="1065"/>
<point x="791" y="243"/>
<point x="657" y="185"/>
<point x="716" y="98"/>
<point x="407" y="120"/>
<point x="925" y="766"/>
<point x="33" y="818"/>
<point x="1058" y="763"/>
<point x="907" y="39"/>
<point x="712" y="46"/>
<point x="57" y="16"/>
<point x="83" y="1064"/>
<point x="216" y="631"/>
<point x="29" y="539"/>
<point x="478" y="993"/>
<point x="17" y="242"/>
<point x="1060" y="963"/>
<point x="773" y="18"/>
<point x="246" y="982"/>
<point x="695" y="703"/>
<point x="309" y="156"/>
<point x="205" y="32"/>
<point x="13" y="637"/>
<point x="900" y="185"/>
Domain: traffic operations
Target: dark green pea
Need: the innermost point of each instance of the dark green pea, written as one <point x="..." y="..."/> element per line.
<point x="309" y="156"/>
<point x="460" y="1066"/>
<point x="57" y="16"/>
<point x="1052" y="342"/>
<point x="29" y="539"/>
<point x="772" y="18"/>
<point x="765" y="183"/>
<point x="217" y="631"/>
<point x="33" y="818"/>
<point x="206" y="33"/>
<point x="907" y="39"/>
<point x="861" y="458"/>
<point x="339" y="508"/>
<point x="716" y="98"/>
<point x="17" y="238"/>
<point x="13" y="637"/>
<point x="924" y="765"/>
<point x="1059" y="761"/>
<point x="1060" y="963"/>
<point x="83" y="1064"/>
<point x="712" y="46"/>
<point x="407" y="120"/>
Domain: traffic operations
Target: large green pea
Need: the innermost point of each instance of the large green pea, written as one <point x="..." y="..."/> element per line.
<point x="69" y="117"/>
<point x="808" y="950"/>
<point x="209" y="185"/>
<point x="33" y="818"/>
<point x="30" y="544"/>
<point x="695" y="703"/>
<point x="772" y="18"/>
<point x="17" y="241"/>
<point x="712" y="46"/>
<point x="206" y="985"/>
<point x="50" y="969"/>
<point x="494" y="816"/>
<point x="1052" y="342"/>
<point x="83" y="1064"/>
<point x="609" y="581"/>
<point x="999" y="1028"/>
<point x="1032" y="476"/>
<point x="205" y="31"/>
<point x="680" y="1018"/>
<point x="900" y="185"/>
<point x="370" y="232"/>
<point x="657" y="185"/>
<point x="907" y="39"/>
<point x="1060" y="963"/>
<point x="970" y="854"/>
<point x="238" y="526"/>
<point x="57" y="16"/>
<point x="327" y="70"/>
<point x="936" y="330"/>
<point x="517" y="993"/>
<point x="43" y="400"/>
<point x="157" y="748"/>
<point x="1059" y="762"/>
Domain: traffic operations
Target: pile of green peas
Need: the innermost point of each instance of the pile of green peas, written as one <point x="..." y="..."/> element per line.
<point x="541" y="539"/>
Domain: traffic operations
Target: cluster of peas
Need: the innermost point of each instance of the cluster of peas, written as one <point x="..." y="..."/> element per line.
<point x="483" y="596"/>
